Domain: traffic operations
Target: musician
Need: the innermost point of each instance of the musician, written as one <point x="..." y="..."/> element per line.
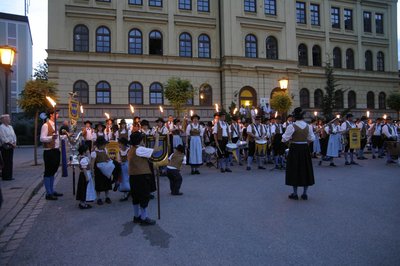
<point x="222" y="135"/>
<point x="376" y="138"/>
<point x="145" y="128"/>
<point x="254" y="132"/>
<point x="174" y="170"/>
<point x="289" y="121"/>
<point x="236" y="134"/>
<point x="140" y="176"/>
<point x="345" y="127"/>
<point x="135" y="127"/>
<point x="216" y="118"/>
<point x="100" y="127"/>
<point x="333" y="130"/>
<point x="324" y="139"/>
<point x="389" y="132"/>
<point x="363" y="126"/>
<point x="160" y="127"/>
<point x="208" y="140"/>
<point x="299" y="171"/>
<point x="88" y="134"/>
<point x="278" y="146"/>
<point x="268" y="134"/>
<point x="316" y="147"/>
<point x="122" y="131"/>
<point x="109" y="132"/>
<point x="194" y="139"/>
<point x="170" y="125"/>
<point x="51" y="154"/>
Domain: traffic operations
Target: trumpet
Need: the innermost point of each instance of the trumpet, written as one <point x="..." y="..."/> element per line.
<point x="327" y="124"/>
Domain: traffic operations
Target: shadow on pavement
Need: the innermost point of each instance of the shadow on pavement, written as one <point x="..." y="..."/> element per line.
<point x="156" y="236"/>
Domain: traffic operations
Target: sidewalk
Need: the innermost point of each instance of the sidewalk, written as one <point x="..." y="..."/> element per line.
<point x="18" y="192"/>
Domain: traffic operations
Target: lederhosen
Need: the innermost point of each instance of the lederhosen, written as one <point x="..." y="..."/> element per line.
<point x="251" y="140"/>
<point x="102" y="182"/>
<point x="324" y="140"/>
<point x="51" y="155"/>
<point x="377" y="140"/>
<point x="222" y="141"/>
<point x="347" y="147"/>
<point x="277" y="145"/>
<point x="363" y="136"/>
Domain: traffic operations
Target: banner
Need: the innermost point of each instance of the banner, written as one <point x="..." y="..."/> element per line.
<point x="113" y="149"/>
<point x="355" y="138"/>
<point x="159" y="157"/>
<point x="73" y="110"/>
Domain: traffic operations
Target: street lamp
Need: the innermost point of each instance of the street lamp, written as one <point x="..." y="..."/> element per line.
<point x="283" y="83"/>
<point x="7" y="54"/>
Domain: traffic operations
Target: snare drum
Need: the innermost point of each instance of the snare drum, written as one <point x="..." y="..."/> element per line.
<point x="241" y="144"/>
<point x="261" y="147"/>
<point x="393" y="148"/>
<point x="210" y="150"/>
<point x="231" y="147"/>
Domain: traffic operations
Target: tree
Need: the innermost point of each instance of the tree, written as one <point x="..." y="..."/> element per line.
<point x="328" y="102"/>
<point x="178" y="92"/>
<point x="41" y="71"/>
<point x="281" y="102"/>
<point x="393" y="102"/>
<point x="33" y="100"/>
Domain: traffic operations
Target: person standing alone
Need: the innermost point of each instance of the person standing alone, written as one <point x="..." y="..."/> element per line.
<point x="8" y="142"/>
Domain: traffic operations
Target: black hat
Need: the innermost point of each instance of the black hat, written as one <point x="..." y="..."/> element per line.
<point x="100" y="141"/>
<point x="278" y="118"/>
<point x="235" y="118"/>
<point x="145" y="123"/>
<point x="51" y="111"/>
<point x="109" y="119"/>
<point x="135" y="138"/>
<point x="289" y="116"/>
<point x="209" y="124"/>
<point x="298" y="113"/>
<point x="123" y="141"/>
<point x="349" y="115"/>
<point x="222" y="113"/>
<point x="216" y="114"/>
<point x="82" y="148"/>
<point x="136" y="117"/>
<point x="180" y="148"/>
<point x="195" y="115"/>
<point x="122" y="122"/>
<point x="363" y="118"/>
<point x="258" y="117"/>
<point x="388" y="117"/>
<point x="160" y="119"/>
<point x="101" y="124"/>
<point x="176" y="121"/>
<point x="88" y="122"/>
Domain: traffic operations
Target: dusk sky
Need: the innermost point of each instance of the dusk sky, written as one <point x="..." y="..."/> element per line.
<point x="38" y="22"/>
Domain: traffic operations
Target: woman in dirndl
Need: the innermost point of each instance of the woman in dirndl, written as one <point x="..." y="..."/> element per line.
<point x="299" y="169"/>
<point x="176" y="134"/>
<point x="315" y="144"/>
<point x="334" y="139"/>
<point x="124" y="186"/>
<point x="194" y="136"/>
<point x="84" y="176"/>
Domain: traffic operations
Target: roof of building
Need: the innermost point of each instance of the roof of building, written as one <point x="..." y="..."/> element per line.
<point x="13" y="17"/>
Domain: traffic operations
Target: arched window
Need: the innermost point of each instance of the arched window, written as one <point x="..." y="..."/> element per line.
<point x="103" y="93"/>
<point x="337" y="57"/>
<point x="339" y="99"/>
<point x="382" y="100"/>
<point x="156" y="93"/>
<point x="155" y="43"/>
<point x="206" y="95"/>
<point x="304" y="98"/>
<point x="204" y="46"/>
<point x="248" y="96"/>
<point x="318" y="98"/>
<point x="251" y="46"/>
<point x="135" y="93"/>
<point x="368" y="61"/>
<point x="370" y="100"/>
<point x="380" y="61"/>
<point x="351" y="99"/>
<point x="103" y="40"/>
<point x="316" y="55"/>
<point x="81" y="38"/>
<point x="303" y="55"/>
<point x="272" y="48"/>
<point x="185" y="45"/>
<point x="135" y="42"/>
<point x="349" y="59"/>
<point x="82" y="88"/>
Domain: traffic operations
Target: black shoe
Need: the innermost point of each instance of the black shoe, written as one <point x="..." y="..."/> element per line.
<point x="248" y="168"/>
<point x="108" y="200"/>
<point x="332" y="164"/>
<point x="84" y="206"/>
<point x="228" y="170"/>
<point x="380" y="156"/>
<point x="8" y="179"/>
<point x="304" y="197"/>
<point x="124" y="199"/>
<point x="146" y="222"/>
<point x="261" y="167"/>
<point x="177" y="194"/>
<point x="99" y="202"/>
<point x="353" y="163"/>
<point x="51" y="197"/>
<point x="293" y="196"/>
<point x="196" y="172"/>
<point x="270" y="162"/>
<point x="136" y="220"/>
<point x="58" y="194"/>
<point x="115" y="187"/>
<point x="222" y="170"/>
<point x="373" y="157"/>
<point x="240" y="164"/>
<point x="346" y="163"/>
<point x="193" y="172"/>
<point x="151" y="196"/>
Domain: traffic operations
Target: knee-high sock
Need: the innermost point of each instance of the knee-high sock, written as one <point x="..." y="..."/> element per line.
<point x="346" y="156"/>
<point x="136" y="210"/>
<point x="143" y="212"/>
<point x="47" y="183"/>
<point x="352" y="156"/>
<point x="305" y="190"/>
<point x="249" y="161"/>
<point x="52" y="184"/>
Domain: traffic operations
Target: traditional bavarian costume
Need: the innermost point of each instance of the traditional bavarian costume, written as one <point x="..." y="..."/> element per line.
<point x="333" y="144"/>
<point x="102" y="182"/>
<point x="345" y="127"/>
<point x="221" y="133"/>
<point x="254" y="131"/>
<point x="363" y="126"/>
<point x="376" y="139"/>
<point x="195" y="134"/>
<point x="390" y="136"/>
<point x="84" y="177"/>
<point x="176" y="136"/>
<point x="174" y="171"/>
<point x="124" y="181"/>
<point x="278" y="147"/>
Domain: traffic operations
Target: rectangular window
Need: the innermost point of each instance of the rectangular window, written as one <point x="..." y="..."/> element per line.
<point x="12" y="34"/>
<point x="301" y="13"/>
<point x="155" y="3"/>
<point x="136" y="2"/>
<point x="185" y="4"/>
<point x="270" y="7"/>
<point x="335" y="17"/>
<point x="314" y="10"/>
<point x="379" y="23"/>
<point x="348" y="19"/>
<point x="367" y="21"/>
<point x="103" y="97"/>
<point x="203" y="5"/>
<point x="250" y="5"/>
<point x="103" y="1"/>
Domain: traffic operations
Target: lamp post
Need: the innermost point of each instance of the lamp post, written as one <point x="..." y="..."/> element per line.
<point x="283" y="83"/>
<point x="7" y="54"/>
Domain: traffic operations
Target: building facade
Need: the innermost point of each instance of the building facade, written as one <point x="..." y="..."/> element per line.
<point x="15" y="31"/>
<point x="116" y="53"/>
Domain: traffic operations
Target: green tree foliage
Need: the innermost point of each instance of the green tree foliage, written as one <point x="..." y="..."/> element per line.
<point x="33" y="100"/>
<point x="281" y="102"/>
<point x="393" y="102"/>
<point x="328" y="102"/>
<point x="178" y="92"/>
<point x="41" y="72"/>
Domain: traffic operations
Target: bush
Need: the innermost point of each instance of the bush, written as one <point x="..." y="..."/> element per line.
<point x="24" y="129"/>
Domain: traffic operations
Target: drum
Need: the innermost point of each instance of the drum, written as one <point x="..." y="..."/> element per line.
<point x="241" y="144"/>
<point x="210" y="150"/>
<point x="393" y="148"/>
<point x="261" y="147"/>
<point x="231" y="147"/>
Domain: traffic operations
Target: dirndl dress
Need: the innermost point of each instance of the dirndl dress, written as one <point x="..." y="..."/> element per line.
<point x="90" y="191"/>
<point x="195" y="151"/>
<point x="124" y="185"/>
<point x="176" y="140"/>
<point x="316" y="145"/>
<point x="333" y="146"/>
<point x="299" y="168"/>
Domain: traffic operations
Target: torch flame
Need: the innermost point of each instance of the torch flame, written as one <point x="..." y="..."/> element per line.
<point x="337" y="116"/>
<point x="132" y="108"/>
<point x="161" y="109"/>
<point x="81" y="109"/>
<point x="191" y="112"/>
<point x="216" y="107"/>
<point x="51" y="101"/>
<point x="235" y="111"/>
<point x="368" y="114"/>
<point x="315" y="113"/>
<point x="256" y="111"/>
<point x="384" y="116"/>
<point x="276" y="114"/>
<point x="107" y="115"/>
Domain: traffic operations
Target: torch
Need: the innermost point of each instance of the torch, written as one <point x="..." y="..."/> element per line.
<point x="368" y="114"/>
<point x="161" y="110"/>
<point x="315" y="113"/>
<point x="191" y="113"/>
<point x="384" y="116"/>
<point x="256" y="111"/>
<point x="276" y="114"/>
<point x="235" y="111"/>
<point x="216" y="107"/>
<point x="132" y="109"/>
<point x="107" y="115"/>
<point x="82" y="115"/>
<point x="53" y="103"/>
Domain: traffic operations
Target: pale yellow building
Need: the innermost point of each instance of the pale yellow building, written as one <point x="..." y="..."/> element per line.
<point x="121" y="52"/>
